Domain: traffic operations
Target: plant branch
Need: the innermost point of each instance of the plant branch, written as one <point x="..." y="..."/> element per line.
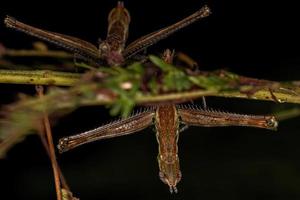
<point x="61" y="176"/>
<point x="54" y="163"/>
<point x="37" y="53"/>
<point x="40" y="49"/>
<point x="46" y="77"/>
<point x="122" y="88"/>
<point x="261" y="94"/>
<point x="286" y="114"/>
<point x="38" y="77"/>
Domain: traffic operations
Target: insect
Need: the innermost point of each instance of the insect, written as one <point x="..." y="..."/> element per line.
<point x="112" y="50"/>
<point x="167" y="120"/>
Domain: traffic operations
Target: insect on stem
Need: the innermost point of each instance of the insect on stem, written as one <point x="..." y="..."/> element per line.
<point x="167" y="119"/>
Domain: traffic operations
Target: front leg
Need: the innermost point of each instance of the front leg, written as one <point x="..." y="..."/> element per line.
<point x="210" y="118"/>
<point x="152" y="38"/>
<point x="126" y="126"/>
<point x="72" y="44"/>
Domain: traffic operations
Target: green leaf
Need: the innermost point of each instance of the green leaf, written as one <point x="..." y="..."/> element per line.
<point x="161" y="63"/>
<point x="124" y="104"/>
<point x="136" y="67"/>
<point x="210" y="83"/>
<point x="176" y="80"/>
<point x="83" y="65"/>
<point x="153" y="85"/>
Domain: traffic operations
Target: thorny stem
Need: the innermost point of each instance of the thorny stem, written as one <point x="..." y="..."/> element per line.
<point x="54" y="164"/>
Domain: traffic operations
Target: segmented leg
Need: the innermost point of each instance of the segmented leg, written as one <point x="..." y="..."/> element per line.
<point x="209" y="118"/>
<point x="126" y="126"/>
<point x="150" y="39"/>
<point x="75" y="45"/>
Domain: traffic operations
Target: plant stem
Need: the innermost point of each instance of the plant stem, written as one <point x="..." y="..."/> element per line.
<point x="38" y="77"/>
<point x="69" y="99"/>
<point x="92" y="92"/>
<point x="55" y="167"/>
<point x="261" y="94"/>
<point x="287" y="114"/>
<point x="37" y="53"/>
<point x="62" y="178"/>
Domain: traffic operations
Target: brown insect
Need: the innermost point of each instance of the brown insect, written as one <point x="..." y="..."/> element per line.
<point x="112" y="50"/>
<point x="167" y="120"/>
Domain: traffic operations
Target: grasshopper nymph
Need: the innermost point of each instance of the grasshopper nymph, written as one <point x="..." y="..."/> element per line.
<point x="167" y="119"/>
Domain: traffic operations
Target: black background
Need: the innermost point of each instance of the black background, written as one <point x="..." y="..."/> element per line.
<point x="251" y="37"/>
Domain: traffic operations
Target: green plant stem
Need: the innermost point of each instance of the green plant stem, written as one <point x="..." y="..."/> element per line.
<point x="262" y="94"/>
<point x="47" y="77"/>
<point x="72" y="100"/>
<point x="38" y="77"/>
<point x="287" y="114"/>
<point x="22" y="117"/>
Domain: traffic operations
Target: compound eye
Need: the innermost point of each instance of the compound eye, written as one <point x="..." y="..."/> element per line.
<point x="272" y="123"/>
<point x="103" y="48"/>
